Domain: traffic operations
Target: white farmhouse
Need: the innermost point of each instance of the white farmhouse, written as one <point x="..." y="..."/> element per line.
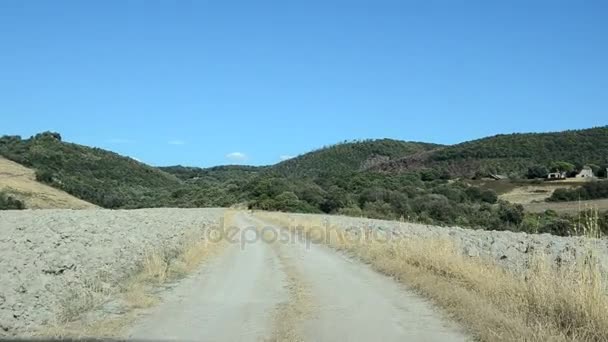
<point x="586" y="172"/>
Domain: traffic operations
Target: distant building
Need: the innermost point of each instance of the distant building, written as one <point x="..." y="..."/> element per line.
<point x="556" y="175"/>
<point x="586" y="172"/>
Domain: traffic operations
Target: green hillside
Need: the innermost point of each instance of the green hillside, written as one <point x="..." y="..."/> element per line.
<point x="216" y="174"/>
<point x="340" y="179"/>
<point x="511" y="154"/>
<point x="95" y="175"/>
<point x="347" y="157"/>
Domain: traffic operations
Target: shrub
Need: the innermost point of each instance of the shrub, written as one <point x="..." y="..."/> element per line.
<point x="378" y="210"/>
<point x="591" y="190"/>
<point x="537" y="171"/>
<point x="8" y="202"/>
<point x="476" y="194"/>
<point x="44" y="176"/>
<point x="512" y="214"/>
<point x="351" y="211"/>
<point x="489" y="196"/>
<point x="558" y="226"/>
<point x="287" y="201"/>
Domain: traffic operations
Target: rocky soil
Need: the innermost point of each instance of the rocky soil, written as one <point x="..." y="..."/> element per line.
<point x="54" y="262"/>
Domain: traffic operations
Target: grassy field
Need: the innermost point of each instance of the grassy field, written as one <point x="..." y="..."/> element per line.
<point x="567" y="207"/>
<point x="532" y="195"/>
<point x="542" y="304"/>
<point x="20" y="182"/>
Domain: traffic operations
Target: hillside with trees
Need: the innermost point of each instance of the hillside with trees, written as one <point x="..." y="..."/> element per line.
<point x="512" y="154"/>
<point x="92" y="174"/>
<point x="340" y="179"/>
<point x="347" y="157"/>
<point x="215" y="174"/>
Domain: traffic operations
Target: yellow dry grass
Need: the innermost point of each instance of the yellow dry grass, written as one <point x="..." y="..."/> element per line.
<point x="572" y="207"/>
<point x="534" y="192"/>
<point x="544" y="303"/>
<point x="21" y="183"/>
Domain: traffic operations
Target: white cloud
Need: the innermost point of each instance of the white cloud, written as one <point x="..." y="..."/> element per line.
<point x="236" y="156"/>
<point x="119" y="141"/>
<point x="176" y="142"/>
<point x="285" y="157"/>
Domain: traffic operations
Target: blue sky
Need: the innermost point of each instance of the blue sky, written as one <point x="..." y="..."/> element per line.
<point x="215" y="82"/>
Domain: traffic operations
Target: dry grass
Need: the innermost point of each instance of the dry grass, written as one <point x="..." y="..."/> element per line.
<point x="533" y="193"/>
<point x="572" y="207"/>
<point x="544" y="303"/>
<point x="20" y="182"/>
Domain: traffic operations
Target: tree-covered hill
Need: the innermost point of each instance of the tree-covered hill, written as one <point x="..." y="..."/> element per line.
<point x="347" y="157"/>
<point x="95" y="175"/>
<point x="339" y="179"/>
<point x="217" y="174"/>
<point x="511" y="154"/>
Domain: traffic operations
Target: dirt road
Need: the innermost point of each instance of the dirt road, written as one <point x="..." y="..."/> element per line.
<point x="260" y="291"/>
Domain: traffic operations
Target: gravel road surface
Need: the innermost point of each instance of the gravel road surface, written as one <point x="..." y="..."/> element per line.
<point x="242" y="296"/>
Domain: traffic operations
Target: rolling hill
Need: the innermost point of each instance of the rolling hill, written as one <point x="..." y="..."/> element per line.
<point x="20" y="182"/>
<point x="216" y="174"/>
<point x="348" y="157"/>
<point x="339" y="179"/>
<point x="510" y="154"/>
<point x="92" y="174"/>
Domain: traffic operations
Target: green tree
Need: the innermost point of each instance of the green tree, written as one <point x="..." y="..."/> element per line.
<point x="336" y="199"/>
<point x="512" y="214"/>
<point x="537" y="171"/>
<point x="562" y="166"/>
<point x="489" y="196"/>
<point x="287" y="201"/>
<point x="44" y="176"/>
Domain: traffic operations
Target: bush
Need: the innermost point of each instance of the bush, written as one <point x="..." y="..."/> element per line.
<point x="489" y="196"/>
<point x="8" y="202"/>
<point x="437" y="207"/>
<point x="476" y="194"/>
<point x="558" y="226"/>
<point x="351" y="211"/>
<point x="379" y="210"/>
<point x="512" y="214"/>
<point x="537" y="171"/>
<point x="287" y="201"/>
<point x="44" y="176"/>
<point x="434" y="174"/>
<point x="588" y="191"/>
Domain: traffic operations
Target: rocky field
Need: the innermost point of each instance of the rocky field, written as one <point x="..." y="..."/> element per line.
<point x="53" y="261"/>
